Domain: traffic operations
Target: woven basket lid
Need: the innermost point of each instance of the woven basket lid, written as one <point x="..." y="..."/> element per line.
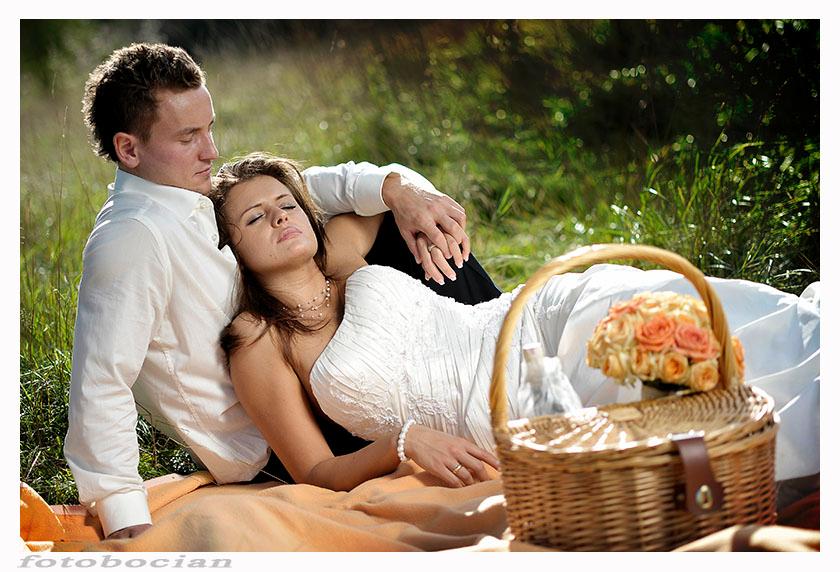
<point x="643" y="428"/>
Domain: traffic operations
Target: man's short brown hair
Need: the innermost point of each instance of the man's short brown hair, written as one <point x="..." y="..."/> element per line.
<point x="120" y="92"/>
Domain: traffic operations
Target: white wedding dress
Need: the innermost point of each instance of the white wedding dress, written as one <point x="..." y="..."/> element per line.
<point x="401" y="351"/>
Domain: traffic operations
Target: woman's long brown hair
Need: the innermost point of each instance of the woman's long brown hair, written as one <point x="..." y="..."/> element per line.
<point x="251" y="296"/>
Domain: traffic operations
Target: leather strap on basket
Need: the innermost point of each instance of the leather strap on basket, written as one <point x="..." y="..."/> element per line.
<point x="703" y="494"/>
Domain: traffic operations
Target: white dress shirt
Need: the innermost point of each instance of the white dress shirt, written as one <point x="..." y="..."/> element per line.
<point x="155" y="293"/>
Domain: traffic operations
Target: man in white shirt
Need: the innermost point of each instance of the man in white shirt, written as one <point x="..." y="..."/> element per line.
<point x="156" y="290"/>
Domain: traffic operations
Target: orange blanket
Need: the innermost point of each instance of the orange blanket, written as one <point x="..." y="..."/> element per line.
<point x="404" y="511"/>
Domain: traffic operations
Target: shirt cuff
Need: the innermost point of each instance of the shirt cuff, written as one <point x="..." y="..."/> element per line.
<point x="368" y="192"/>
<point x="120" y="510"/>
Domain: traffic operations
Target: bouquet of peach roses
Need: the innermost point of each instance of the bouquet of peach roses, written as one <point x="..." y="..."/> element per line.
<point x="663" y="339"/>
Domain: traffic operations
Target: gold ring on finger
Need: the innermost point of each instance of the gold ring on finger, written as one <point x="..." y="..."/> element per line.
<point x="432" y="247"/>
<point x="458" y="467"/>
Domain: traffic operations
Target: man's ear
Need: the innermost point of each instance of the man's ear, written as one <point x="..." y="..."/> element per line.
<point x="125" y="145"/>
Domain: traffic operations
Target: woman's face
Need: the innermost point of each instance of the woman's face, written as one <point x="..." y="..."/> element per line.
<point x="268" y="228"/>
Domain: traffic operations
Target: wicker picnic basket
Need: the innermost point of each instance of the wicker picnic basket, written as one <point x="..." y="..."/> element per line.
<point x="649" y="475"/>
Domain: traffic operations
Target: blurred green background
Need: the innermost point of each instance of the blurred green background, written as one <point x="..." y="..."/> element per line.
<point x="698" y="136"/>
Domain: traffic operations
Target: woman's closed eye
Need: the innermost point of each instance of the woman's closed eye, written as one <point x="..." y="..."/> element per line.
<point x="257" y="217"/>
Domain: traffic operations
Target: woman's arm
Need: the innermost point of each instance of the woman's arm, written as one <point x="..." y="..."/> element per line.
<point x="276" y="401"/>
<point x="274" y="398"/>
<point x="349" y="238"/>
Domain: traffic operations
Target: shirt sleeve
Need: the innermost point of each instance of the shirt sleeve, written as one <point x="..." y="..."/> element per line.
<point x="355" y="187"/>
<point x="412" y="176"/>
<point x="122" y="296"/>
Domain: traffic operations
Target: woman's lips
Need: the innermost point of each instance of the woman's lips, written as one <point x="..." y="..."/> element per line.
<point x="288" y="233"/>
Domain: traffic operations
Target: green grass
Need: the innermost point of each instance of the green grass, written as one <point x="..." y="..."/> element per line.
<point x="532" y="191"/>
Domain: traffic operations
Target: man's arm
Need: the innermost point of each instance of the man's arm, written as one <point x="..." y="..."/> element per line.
<point x="419" y="208"/>
<point x="121" y="299"/>
<point x="348" y="187"/>
<point x="431" y="223"/>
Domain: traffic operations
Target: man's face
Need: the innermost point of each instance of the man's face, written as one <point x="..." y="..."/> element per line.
<point x="180" y="149"/>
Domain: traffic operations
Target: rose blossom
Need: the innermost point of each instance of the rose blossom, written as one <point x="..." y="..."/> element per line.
<point x="683" y="317"/>
<point x="704" y="375"/>
<point x="625" y="307"/>
<point x="615" y="366"/>
<point x="699" y="309"/>
<point x="695" y="342"/>
<point x="618" y="331"/>
<point x="739" y="356"/>
<point x="595" y="350"/>
<point x="656" y="334"/>
<point x="674" y="368"/>
<point x="643" y="364"/>
<point x="650" y="308"/>
<point x="596" y="346"/>
<point x="653" y="303"/>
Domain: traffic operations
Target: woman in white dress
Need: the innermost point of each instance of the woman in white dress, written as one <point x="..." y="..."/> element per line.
<point x="320" y="332"/>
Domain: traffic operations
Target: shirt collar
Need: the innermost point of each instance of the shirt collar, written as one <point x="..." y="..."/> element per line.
<point x="181" y="201"/>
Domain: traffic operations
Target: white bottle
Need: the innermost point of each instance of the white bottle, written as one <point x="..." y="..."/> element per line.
<point x="545" y="389"/>
<point x="531" y="373"/>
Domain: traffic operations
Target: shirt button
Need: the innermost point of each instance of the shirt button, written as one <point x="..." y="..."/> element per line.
<point x="214" y="237"/>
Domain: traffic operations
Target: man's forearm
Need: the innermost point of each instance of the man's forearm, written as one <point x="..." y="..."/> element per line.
<point x="359" y="187"/>
<point x="401" y="179"/>
<point x="348" y="187"/>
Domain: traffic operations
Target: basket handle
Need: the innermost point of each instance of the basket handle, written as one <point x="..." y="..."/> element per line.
<point x="594" y="254"/>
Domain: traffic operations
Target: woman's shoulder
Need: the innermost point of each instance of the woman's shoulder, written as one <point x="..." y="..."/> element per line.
<point x="247" y="330"/>
<point x="248" y="324"/>
<point x="257" y="351"/>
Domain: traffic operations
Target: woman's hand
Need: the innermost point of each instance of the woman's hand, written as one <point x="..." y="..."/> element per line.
<point x="433" y="261"/>
<point x="439" y="453"/>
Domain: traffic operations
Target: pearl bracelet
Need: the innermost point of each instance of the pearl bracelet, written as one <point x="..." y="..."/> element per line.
<point x="401" y="441"/>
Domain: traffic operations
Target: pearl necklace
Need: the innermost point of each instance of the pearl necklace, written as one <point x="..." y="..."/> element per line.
<point x="325" y="302"/>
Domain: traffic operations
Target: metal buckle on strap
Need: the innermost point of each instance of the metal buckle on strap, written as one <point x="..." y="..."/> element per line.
<point x="703" y="493"/>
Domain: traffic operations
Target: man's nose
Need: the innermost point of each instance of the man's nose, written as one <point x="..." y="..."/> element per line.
<point x="209" y="152"/>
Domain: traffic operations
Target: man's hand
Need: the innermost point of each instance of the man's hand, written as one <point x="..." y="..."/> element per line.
<point x="432" y="257"/>
<point x="129" y="531"/>
<point x="420" y="212"/>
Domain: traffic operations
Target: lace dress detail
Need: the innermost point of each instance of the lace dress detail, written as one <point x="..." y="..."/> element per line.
<point x="401" y="351"/>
